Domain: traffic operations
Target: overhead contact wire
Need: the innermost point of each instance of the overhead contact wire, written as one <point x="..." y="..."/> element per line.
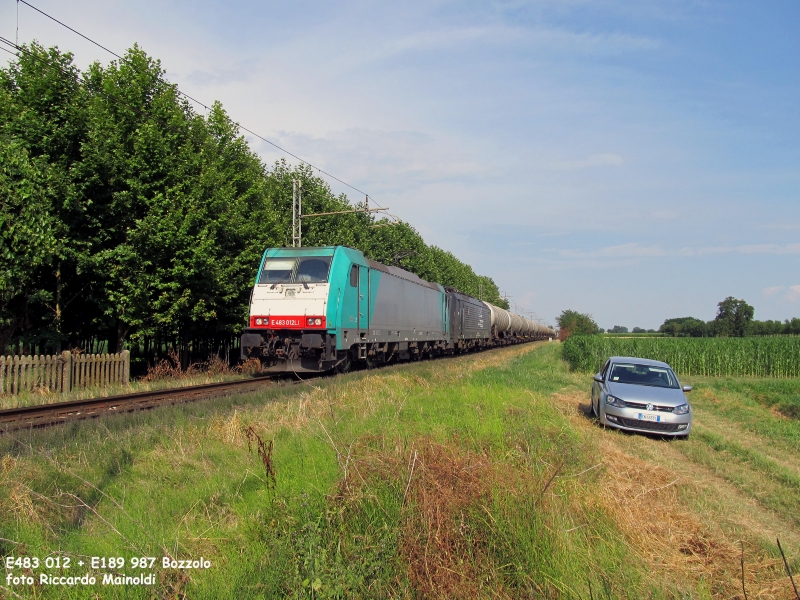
<point x="185" y="95"/>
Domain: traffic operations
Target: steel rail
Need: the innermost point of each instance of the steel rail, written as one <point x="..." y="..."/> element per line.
<point x="62" y="412"/>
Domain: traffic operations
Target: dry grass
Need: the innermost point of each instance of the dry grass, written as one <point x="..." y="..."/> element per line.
<point x="684" y="542"/>
<point x="442" y="487"/>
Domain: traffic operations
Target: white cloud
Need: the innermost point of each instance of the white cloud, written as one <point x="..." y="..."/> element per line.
<point x="595" y="160"/>
<point x="539" y="37"/>
<point x="410" y="158"/>
<point x="773" y="291"/>
<point x="794" y="293"/>
<point x="632" y="250"/>
<point x="636" y="250"/>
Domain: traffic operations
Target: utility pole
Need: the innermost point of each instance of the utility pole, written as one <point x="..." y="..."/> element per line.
<point x="298" y="216"/>
<point x="297" y="213"/>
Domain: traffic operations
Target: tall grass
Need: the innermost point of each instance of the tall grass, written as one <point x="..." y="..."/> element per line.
<point x="715" y="357"/>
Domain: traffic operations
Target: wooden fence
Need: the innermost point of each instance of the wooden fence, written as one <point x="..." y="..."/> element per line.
<point x="63" y="372"/>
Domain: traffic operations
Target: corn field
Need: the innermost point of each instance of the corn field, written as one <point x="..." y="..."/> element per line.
<point x="715" y="357"/>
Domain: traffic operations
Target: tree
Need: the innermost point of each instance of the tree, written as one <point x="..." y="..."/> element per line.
<point x="618" y="329"/>
<point x="27" y="237"/>
<point x="684" y="327"/>
<point x="639" y="330"/>
<point x="571" y="322"/>
<point x="733" y="317"/>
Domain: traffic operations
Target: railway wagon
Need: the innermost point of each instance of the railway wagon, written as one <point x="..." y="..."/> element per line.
<point x="470" y="322"/>
<point x="317" y="309"/>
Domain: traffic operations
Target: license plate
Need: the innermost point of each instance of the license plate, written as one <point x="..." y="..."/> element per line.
<point x="644" y="417"/>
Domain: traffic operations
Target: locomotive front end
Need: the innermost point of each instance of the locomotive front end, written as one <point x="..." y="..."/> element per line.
<point x="288" y="327"/>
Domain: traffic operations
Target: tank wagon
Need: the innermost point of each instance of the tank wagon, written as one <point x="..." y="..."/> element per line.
<point x="320" y="309"/>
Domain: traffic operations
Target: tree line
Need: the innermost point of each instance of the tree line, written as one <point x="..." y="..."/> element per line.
<point x="734" y="319"/>
<point x="128" y="219"/>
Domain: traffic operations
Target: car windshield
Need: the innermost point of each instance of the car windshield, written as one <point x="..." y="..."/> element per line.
<point x="306" y="269"/>
<point x="643" y="375"/>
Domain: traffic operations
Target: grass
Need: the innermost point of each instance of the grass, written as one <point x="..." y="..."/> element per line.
<point x="476" y="476"/>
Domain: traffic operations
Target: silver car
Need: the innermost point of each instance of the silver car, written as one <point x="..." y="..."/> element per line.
<point x="637" y="394"/>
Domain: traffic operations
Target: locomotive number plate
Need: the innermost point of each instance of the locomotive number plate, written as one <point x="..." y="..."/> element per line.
<point x="286" y="322"/>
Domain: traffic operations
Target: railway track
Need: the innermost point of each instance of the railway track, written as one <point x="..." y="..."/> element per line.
<point x="63" y="412"/>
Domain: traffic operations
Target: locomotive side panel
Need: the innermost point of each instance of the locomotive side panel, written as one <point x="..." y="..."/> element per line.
<point x="406" y="310"/>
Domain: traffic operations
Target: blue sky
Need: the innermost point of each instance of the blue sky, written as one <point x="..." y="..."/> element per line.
<point x="634" y="160"/>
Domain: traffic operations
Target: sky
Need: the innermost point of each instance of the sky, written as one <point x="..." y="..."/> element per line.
<point x="636" y="161"/>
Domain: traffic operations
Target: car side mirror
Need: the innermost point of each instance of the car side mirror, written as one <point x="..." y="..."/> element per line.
<point x="598" y="378"/>
<point x="687" y="388"/>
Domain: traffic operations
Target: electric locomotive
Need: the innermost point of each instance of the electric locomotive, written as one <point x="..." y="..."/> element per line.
<point x="320" y="309"/>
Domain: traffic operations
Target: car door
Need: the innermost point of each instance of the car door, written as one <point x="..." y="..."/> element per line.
<point x="597" y="387"/>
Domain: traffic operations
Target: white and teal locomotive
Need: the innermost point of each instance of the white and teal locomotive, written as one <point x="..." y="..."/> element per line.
<point x="320" y="309"/>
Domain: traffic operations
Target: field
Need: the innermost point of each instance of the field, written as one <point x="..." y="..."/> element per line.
<point x="740" y="357"/>
<point x="479" y="476"/>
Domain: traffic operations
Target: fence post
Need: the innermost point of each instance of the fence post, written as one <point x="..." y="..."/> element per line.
<point x="2" y="374"/>
<point x="66" y="371"/>
<point x="126" y="366"/>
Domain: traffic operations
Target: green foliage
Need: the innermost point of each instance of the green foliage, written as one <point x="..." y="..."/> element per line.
<point x="571" y="322"/>
<point x="733" y="317"/>
<point x="127" y="217"/>
<point x="618" y="329"/>
<point x="685" y="327"/>
<point x="731" y="357"/>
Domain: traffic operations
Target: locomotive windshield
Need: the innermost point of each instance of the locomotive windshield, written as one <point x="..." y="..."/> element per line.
<point x="304" y="269"/>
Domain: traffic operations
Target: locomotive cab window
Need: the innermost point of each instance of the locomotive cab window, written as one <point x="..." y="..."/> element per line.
<point x="277" y="270"/>
<point x="313" y="269"/>
<point x="307" y="269"/>
<point x="354" y="276"/>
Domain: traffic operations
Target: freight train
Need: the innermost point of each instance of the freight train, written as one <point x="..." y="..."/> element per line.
<point x="328" y="308"/>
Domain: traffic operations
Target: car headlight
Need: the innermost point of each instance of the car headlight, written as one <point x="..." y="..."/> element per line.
<point x="681" y="410"/>
<point x="614" y="401"/>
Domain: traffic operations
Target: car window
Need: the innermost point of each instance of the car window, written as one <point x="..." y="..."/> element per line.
<point x="604" y="371"/>
<point x="638" y="374"/>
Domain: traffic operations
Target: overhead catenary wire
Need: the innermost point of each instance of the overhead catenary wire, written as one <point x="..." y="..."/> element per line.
<point x="393" y="219"/>
<point x="198" y="102"/>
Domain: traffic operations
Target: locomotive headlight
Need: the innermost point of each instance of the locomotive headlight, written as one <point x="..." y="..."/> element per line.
<point x="259" y="321"/>
<point x="311" y="321"/>
<point x="266" y="321"/>
<point x="317" y="321"/>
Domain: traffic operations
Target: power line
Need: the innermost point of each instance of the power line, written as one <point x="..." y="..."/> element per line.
<point x="136" y="109"/>
<point x="113" y="99"/>
<point x="185" y="95"/>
